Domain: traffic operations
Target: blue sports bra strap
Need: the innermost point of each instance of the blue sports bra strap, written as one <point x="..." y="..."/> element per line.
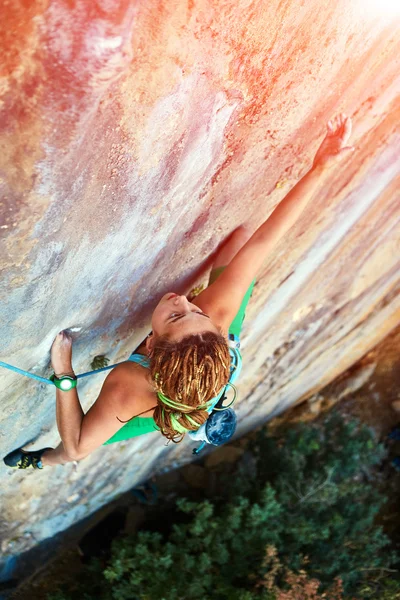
<point x="140" y="360"/>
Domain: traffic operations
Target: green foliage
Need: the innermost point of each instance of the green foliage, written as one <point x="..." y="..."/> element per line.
<point x="301" y="524"/>
<point x="210" y="556"/>
<point x="322" y="475"/>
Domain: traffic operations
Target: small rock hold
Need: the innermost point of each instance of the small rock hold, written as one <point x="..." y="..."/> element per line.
<point x="72" y="498"/>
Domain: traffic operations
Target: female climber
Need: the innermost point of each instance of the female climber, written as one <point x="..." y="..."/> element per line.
<point x="174" y="376"/>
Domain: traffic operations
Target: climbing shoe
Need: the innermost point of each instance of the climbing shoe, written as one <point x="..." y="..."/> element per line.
<point x="22" y="459"/>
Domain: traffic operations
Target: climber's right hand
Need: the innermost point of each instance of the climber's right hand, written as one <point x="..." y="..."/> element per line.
<point x="333" y="147"/>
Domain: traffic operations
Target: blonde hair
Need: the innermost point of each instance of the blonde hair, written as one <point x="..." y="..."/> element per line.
<point x="186" y="375"/>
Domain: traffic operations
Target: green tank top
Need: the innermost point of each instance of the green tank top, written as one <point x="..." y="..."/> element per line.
<point x="138" y="425"/>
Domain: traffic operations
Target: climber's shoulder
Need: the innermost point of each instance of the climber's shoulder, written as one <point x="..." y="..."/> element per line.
<point x="127" y="378"/>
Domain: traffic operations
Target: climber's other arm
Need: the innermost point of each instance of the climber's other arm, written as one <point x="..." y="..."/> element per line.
<point x="222" y="299"/>
<point x="80" y="433"/>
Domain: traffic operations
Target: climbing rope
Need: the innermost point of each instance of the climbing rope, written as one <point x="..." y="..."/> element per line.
<point x="48" y="381"/>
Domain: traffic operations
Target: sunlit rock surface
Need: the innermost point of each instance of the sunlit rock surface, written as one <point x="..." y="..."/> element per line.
<point x="134" y="138"/>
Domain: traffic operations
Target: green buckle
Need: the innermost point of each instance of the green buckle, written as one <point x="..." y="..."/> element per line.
<point x="64" y="383"/>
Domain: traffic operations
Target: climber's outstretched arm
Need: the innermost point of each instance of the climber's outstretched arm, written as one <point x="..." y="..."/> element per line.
<point x="222" y="299"/>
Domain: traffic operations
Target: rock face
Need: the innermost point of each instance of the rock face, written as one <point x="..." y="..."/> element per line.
<point x="134" y="138"/>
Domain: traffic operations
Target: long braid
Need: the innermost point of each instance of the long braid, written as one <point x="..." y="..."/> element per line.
<point x="186" y="375"/>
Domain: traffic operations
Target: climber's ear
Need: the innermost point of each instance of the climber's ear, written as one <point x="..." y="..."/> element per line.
<point x="150" y="343"/>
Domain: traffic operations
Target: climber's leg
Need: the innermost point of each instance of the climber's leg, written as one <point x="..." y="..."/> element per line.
<point x="58" y="456"/>
<point x="231" y="247"/>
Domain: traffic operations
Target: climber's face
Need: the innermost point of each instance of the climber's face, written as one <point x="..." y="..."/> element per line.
<point x="176" y="317"/>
